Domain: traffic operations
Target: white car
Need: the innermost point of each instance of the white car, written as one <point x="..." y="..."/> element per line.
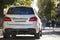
<point x="21" y="20"/>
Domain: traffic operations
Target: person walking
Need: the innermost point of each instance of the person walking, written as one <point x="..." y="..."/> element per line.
<point x="44" y="22"/>
<point x="53" y="24"/>
<point x="49" y="23"/>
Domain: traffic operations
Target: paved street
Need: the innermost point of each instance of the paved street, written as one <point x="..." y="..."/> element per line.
<point x="50" y="34"/>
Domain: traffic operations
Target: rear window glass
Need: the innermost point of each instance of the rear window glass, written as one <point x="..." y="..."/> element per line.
<point x="20" y="10"/>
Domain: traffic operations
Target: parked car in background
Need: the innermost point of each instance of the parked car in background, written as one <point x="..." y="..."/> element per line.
<point x="21" y="20"/>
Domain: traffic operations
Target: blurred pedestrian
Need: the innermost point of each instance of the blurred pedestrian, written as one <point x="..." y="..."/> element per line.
<point x="49" y="23"/>
<point x="44" y="22"/>
<point x="53" y="24"/>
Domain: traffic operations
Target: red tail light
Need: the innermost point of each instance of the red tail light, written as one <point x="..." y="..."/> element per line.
<point x="33" y="19"/>
<point x="7" y="19"/>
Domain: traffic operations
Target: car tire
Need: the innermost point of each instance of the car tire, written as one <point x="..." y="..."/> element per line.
<point x="13" y="36"/>
<point x="6" y="35"/>
<point x="41" y="33"/>
<point x="37" y="36"/>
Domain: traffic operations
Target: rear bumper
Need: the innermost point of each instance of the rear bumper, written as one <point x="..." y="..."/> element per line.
<point x="20" y="31"/>
<point x="21" y="26"/>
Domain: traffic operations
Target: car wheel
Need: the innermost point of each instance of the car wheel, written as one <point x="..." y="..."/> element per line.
<point x="37" y="36"/>
<point x="41" y="33"/>
<point x="6" y="35"/>
<point x="13" y="36"/>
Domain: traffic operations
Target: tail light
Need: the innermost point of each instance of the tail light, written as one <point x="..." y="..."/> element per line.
<point x="33" y="19"/>
<point x="7" y="19"/>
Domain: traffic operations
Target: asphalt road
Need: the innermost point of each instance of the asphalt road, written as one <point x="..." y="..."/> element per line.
<point x="51" y="34"/>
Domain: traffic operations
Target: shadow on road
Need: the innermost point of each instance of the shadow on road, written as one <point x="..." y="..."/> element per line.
<point x="18" y="38"/>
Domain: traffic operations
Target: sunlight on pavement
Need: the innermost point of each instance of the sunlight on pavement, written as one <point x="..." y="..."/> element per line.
<point x="51" y="35"/>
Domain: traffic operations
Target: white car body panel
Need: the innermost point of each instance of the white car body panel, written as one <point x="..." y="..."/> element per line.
<point x="22" y="22"/>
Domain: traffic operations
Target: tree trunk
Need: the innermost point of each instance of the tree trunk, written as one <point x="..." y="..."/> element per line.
<point x="1" y="13"/>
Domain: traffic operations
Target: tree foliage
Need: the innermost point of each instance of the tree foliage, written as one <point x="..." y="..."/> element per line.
<point x="47" y="8"/>
<point x="24" y="2"/>
<point x="42" y="5"/>
<point x="1" y="8"/>
<point x="8" y="2"/>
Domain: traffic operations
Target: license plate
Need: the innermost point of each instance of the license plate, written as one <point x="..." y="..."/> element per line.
<point x="20" y="19"/>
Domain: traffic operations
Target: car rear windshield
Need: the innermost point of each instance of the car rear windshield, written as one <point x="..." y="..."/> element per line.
<point x="20" y="10"/>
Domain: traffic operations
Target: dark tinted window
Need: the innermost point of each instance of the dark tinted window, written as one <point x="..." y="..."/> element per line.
<point x="20" y="10"/>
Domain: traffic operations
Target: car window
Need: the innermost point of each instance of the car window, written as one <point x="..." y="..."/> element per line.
<point x="20" y="10"/>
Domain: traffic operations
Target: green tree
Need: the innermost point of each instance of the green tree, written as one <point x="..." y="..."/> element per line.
<point x="1" y="8"/>
<point x="42" y="5"/>
<point x="24" y="2"/>
<point x="8" y="2"/>
<point x="4" y="3"/>
<point x="47" y="8"/>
